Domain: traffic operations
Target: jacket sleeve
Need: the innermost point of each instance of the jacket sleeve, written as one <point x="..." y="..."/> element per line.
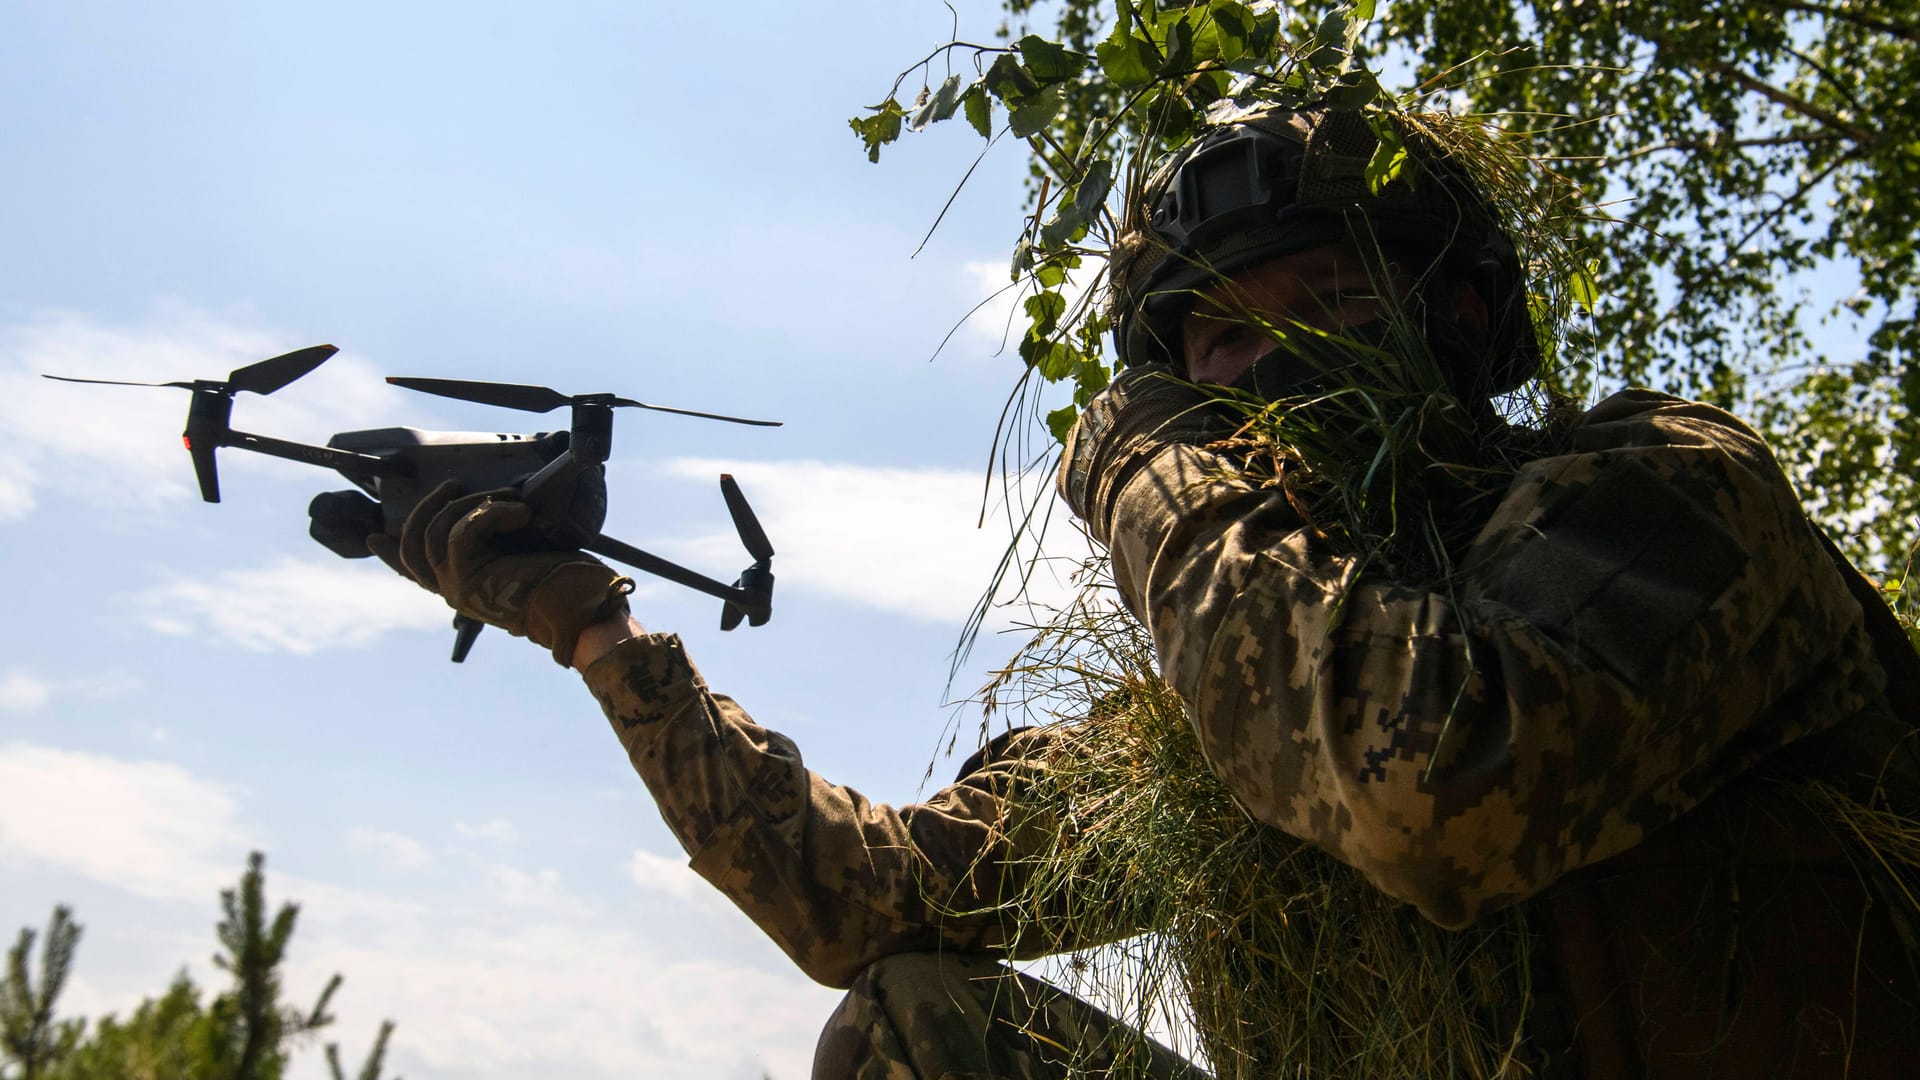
<point x="1642" y="619"/>
<point x="835" y="880"/>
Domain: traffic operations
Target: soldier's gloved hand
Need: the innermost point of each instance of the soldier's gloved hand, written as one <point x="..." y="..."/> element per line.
<point x="1145" y="408"/>
<point x="470" y="550"/>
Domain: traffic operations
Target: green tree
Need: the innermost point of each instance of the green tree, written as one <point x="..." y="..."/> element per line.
<point x="29" y="1036"/>
<point x="1726" y="156"/>
<point x="246" y="1032"/>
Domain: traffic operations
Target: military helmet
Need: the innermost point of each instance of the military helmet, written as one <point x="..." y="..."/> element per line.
<point x="1273" y="182"/>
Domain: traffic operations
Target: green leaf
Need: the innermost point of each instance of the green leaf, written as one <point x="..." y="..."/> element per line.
<point x="1355" y="89"/>
<point x="1009" y="82"/>
<point x="1051" y="276"/>
<point x="1092" y="193"/>
<point x="1363" y="10"/>
<point x="1054" y="359"/>
<point x="1036" y="112"/>
<point x="1388" y="161"/>
<point x="1065" y="220"/>
<point x="1233" y="27"/>
<point x="1326" y="57"/>
<point x="1266" y="28"/>
<point x="1089" y="378"/>
<point x="1022" y="257"/>
<point x="1127" y="61"/>
<point x="979" y="109"/>
<point x="1179" y="47"/>
<point x="1044" y="308"/>
<point x="1061" y="420"/>
<point x="940" y="106"/>
<point x="879" y="129"/>
<point x="1332" y="29"/>
<point x="1049" y="61"/>
<point x="1583" y="287"/>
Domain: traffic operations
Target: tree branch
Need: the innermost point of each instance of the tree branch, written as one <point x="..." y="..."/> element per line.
<point x="1826" y="73"/>
<point x="1790" y="103"/>
<point x="1885" y="26"/>
<point x="1697" y="145"/>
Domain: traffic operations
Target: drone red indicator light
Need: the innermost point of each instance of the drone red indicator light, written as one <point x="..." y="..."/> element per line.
<point x="186" y="441"/>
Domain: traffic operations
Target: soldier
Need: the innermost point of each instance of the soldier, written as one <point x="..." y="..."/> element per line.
<point x="1639" y="642"/>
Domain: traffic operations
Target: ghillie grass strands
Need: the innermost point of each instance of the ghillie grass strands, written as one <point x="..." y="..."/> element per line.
<point x="1270" y="958"/>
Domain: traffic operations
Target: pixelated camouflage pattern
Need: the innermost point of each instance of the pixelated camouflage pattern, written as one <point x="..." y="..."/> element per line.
<point x="950" y="1016"/>
<point x="835" y="880"/>
<point x="1643" y="618"/>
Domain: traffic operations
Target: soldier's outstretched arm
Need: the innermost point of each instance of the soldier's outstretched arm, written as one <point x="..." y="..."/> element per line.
<point x="1643" y="617"/>
<point x="836" y="880"/>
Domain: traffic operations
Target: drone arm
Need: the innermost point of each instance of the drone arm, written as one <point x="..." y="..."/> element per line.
<point x="326" y="457"/>
<point x="646" y="562"/>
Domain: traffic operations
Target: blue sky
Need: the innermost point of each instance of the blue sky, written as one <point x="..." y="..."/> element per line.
<point x="659" y="201"/>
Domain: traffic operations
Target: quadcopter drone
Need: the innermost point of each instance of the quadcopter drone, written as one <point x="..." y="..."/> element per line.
<point x="560" y="474"/>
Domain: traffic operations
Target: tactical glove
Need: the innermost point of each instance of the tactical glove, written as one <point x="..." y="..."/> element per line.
<point x="472" y="551"/>
<point x="1145" y="408"/>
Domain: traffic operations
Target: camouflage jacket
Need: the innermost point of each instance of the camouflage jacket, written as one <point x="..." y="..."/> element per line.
<point x="835" y="880"/>
<point x="1641" y="619"/>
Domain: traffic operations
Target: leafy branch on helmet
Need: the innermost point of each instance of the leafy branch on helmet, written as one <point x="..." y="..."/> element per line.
<point x="1748" y="164"/>
<point x="1129" y="109"/>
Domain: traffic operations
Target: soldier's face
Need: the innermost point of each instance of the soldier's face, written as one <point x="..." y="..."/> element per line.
<point x="1327" y="288"/>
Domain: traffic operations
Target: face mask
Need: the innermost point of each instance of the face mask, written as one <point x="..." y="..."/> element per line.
<point x="1307" y="364"/>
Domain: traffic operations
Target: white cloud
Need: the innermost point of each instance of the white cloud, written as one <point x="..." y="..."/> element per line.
<point x="658" y="873"/>
<point x="999" y="321"/>
<point x="147" y="827"/>
<point x="16" y="490"/>
<point x="119" y="446"/>
<point x="293" y="605"/>
<point x="21" y="692"/>
<point x="496" y="830"/>
<point x="576" y="998"/>
<point x="397" y="851"/>
<point x="898" y="539"/>
<point x="538" y="891"/>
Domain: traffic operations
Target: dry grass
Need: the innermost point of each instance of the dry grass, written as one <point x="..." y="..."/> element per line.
<point x="1268" y="957"/>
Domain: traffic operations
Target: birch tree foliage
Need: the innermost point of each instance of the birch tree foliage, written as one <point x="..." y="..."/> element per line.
<point x="1744" y="170"/>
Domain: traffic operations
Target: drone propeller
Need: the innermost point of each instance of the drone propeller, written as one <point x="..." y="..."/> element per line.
<point x="744" y="521"/>
<point x="262" y="378"/>
<point x="269" y="375"/>
<point x="118" y="382"/>
<point x="541" y="399"/>
<point x="755" y="580"/>
<point x="207" y="418"/>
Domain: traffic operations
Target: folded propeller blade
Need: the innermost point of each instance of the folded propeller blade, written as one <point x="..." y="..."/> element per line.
<point x="541" y="398"/>
<point x="262" y="378"/>
<point x="691" y="412"/>
<point x="503" y="395"/>
<point x="269" y="375"/>
<point x="744" y="521"/>
<point x="118" y="382"/>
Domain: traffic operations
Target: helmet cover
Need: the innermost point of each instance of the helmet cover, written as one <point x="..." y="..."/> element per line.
<point x="1278" y="181"/>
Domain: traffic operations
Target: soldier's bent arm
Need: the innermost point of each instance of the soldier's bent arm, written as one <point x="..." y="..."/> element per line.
<point x="1644" y="617"/>
<point x="836" y="880"/>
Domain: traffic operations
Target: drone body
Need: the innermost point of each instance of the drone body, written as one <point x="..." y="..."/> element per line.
<point x="560" y="474"/>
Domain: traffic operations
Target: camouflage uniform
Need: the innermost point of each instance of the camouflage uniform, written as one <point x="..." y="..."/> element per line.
<point x="1643" y="620"/>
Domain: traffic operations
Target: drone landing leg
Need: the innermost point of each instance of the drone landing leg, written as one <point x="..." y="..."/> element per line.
<point x="464" y="631"/>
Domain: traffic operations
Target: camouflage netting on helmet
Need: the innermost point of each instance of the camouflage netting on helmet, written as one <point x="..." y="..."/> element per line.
<point x="1386" y="439"/>
<point x="1448" y="198"/>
